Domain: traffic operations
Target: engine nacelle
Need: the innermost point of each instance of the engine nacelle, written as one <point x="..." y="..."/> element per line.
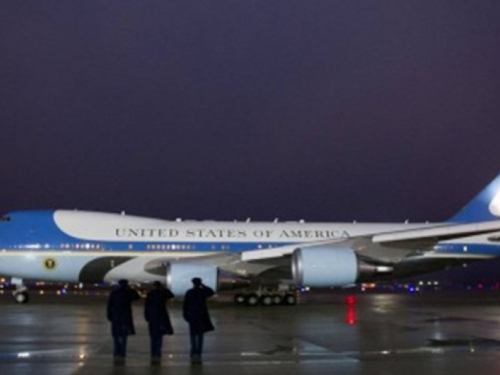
<point x="179" y="276"/>
<point x="325" y="267"/>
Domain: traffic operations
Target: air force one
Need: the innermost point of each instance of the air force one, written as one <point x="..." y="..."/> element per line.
<point x="94" y="247"/>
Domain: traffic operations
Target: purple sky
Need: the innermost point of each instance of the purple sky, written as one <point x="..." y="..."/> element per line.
<point x="324" y="110"/>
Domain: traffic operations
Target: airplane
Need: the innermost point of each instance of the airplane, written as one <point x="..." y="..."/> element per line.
<point x="95" y="247"/>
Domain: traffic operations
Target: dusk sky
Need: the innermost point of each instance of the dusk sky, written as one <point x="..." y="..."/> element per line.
<point x="324" y="110"/>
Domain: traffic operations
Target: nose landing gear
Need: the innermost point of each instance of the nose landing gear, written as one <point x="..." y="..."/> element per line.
<point x="21" y="294"/>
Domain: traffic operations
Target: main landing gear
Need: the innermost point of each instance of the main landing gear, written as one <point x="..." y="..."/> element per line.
<point x="266" y="298"/>
<point x="21" y="294"/>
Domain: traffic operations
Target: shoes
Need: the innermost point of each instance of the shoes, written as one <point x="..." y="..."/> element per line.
<point x="155" y="360"/>
<point x="119" y="360"/>
<point x="196" y="359"/>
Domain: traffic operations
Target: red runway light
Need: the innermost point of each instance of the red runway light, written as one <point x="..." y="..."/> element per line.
<point x="350" y="317"/>
<point x="350" y="300"/>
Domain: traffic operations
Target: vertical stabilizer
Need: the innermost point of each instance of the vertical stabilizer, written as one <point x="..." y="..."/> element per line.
<point x="485" y="206"/>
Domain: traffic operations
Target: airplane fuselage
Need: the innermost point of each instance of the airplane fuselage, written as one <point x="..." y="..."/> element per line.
<point x="80" y="246"/>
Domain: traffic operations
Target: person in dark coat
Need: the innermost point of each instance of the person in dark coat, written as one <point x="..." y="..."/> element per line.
<point x="195" y="312"/>
<point x="155" y="313"/>
<point x="120" y="316"/>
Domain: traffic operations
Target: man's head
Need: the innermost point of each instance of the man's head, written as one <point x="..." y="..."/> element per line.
<point x="196" y="281"/>
<point x="123" y="283"/>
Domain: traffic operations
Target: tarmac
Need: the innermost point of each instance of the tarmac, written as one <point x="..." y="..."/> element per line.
<point x="326" y="333"/>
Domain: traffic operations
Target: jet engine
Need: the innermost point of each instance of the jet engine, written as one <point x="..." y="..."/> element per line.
<point x="330" y="267"/>
<point x="179" y="276"/>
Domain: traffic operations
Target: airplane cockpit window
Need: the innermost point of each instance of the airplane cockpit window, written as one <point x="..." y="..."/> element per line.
<point x="5" y="218"/>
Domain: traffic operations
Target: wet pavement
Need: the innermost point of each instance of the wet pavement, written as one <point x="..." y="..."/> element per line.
<point x="432" y="333"/>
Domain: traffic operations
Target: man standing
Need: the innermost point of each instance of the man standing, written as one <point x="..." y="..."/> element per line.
<point x="156" y="314"/>
<point x="120" y="316"/>
<point x="195" y="312"/>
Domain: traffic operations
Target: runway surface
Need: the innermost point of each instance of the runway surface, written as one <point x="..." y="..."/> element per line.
<point x="432" y="333"/>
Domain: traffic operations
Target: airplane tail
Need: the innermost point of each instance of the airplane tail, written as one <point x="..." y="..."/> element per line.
<point x="485" y="206"/>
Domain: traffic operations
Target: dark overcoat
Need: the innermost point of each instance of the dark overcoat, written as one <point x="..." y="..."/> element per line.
<point x="120" y="311"/>
<point x="195" y="309"/>
<point x="156" y="314"/>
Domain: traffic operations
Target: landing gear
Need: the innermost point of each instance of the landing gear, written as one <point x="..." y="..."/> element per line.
<point x="21" y="297"/>
<point x="266" y="298"/>
<point x="21" y="294"/>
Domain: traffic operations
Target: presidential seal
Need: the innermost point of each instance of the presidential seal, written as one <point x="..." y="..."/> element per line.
<point x="50" y="264"/>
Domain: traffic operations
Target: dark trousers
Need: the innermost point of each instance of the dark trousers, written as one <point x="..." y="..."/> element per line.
<point x="156" y="344"/>
<point x="120" y="345"/>
<point x="196" y="344"/>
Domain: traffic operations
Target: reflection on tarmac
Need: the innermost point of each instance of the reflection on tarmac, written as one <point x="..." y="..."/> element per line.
<point x="443" y="332"/>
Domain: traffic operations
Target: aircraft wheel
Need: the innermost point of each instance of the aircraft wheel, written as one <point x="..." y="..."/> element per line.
<point x="290" y="300"/>
<point x="21" y="297"/>
<point x="239" y="299"/>
<point x="266" y="300"/>
<point x="277" y="299"/>
<point x="252" y="300"/>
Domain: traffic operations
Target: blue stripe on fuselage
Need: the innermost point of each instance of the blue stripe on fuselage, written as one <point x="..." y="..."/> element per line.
<point x="22" y="228"/>
<point x="37" y="230"/>
<point x="469" y="248"/>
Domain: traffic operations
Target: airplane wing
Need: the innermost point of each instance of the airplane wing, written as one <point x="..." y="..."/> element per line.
<point x="374" y="257"/>
<point x="436" y="234"/>
<point x="407" y="239"/>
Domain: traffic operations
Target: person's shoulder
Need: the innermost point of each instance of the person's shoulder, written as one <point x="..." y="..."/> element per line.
<point x="133" y="292"/>
<point x="155" y="293"/>
<point x="209" y="291"/>
<point x="166" y="292"/>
